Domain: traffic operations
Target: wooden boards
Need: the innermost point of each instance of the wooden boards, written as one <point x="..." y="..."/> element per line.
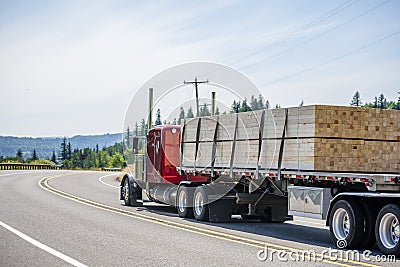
<point x="318" y="138"/>
<point x="357" y="139"/>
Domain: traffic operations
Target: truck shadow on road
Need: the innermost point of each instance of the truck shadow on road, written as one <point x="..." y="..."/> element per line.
<point x="288" y="231"/>
<point x="285" y="231"/>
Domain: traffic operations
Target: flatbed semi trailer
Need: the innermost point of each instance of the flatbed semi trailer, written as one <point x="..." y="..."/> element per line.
<point x="214" y="167"/>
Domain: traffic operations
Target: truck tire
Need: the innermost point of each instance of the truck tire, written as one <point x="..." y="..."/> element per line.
<point x="129" y="197"/>
<point x="387" y="229"/>
<point x="200" y="208"/>
<point x="184" y="199"/>
<point x="369" y="214"/>
<point x="126" y="193"/>
<point x="346" y="224"/>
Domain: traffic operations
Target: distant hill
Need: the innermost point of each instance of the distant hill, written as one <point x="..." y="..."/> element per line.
<point x="46" y="145"/>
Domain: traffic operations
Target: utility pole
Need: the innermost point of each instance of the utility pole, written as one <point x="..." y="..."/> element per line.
<point x="195" y="83"/>
<point x="150" y="119"/>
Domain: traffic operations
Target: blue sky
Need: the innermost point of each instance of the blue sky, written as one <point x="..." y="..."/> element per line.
<point x="71" y="67"/>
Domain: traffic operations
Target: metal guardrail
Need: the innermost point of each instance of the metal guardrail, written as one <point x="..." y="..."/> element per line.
<point x="26" y="166"/>
<point x="111" y="169"/>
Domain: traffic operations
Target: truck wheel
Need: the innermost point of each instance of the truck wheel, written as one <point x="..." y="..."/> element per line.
<point x="369" y="226"/>
<point x="346" y="224"/>
<point x="126" y="193"/>
<point x="200" y="208"/>
<point x="183" y="200"/>
<point x="387" y="229"/>
<point x="129" y="198"/>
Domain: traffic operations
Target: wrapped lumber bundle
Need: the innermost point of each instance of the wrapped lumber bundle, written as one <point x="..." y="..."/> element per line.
<point x="317" y="138"/>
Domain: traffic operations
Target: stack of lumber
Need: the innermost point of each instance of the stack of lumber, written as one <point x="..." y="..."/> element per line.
<point x="318" y="138"/>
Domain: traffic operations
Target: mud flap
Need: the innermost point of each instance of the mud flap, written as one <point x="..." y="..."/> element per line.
<point x="220" y="209"/>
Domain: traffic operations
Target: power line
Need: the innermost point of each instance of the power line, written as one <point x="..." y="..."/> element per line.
<point x="303" y="28"/>
<point x="307" y="26"/>
<point x="332" y="60"/>
<point x="318" y="36"/>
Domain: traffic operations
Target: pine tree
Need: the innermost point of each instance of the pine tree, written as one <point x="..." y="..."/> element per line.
<point x="34" y="156"/>
<point x="19" y="155"/>
<point x="267" y="105"/>
<point x="376" y="102"/>
<point x="181" y="115"/>
<point x="235" y="108"/>
<point x="261" y="102"/>
<point x="143" y="127"/>
<point x="245" y="107"/>
<point x="254" y="103"/>
<point x="382" y="102"/>
<point x="53" y="157"/>
<point x="204" y="110"/>
<point x="69" y="150"/>
<point x="190" y="113"/>
<point x="128" y="136"/>
<point x="356" y="101"/>
<point x="63" y="149"/>
<point x="158" y="117"/>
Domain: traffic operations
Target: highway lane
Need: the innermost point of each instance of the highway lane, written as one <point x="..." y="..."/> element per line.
<point x="149" y="236"/>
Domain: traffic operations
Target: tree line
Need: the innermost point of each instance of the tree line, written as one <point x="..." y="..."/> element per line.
<point x="379" y="101"/>
<point x="87" y="158"/>
<point x="18" y="158"/>
<point x="76" y="158"/>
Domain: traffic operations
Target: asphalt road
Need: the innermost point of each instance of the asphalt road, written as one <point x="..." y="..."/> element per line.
<point x="59" y="218"/>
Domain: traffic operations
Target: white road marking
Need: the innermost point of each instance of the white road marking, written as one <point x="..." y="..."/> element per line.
<point x="43" y="246"/>
<point x="13" y="173"/>
<point x="101" y="181"/>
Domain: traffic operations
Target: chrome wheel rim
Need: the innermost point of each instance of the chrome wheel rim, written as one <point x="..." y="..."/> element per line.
<point x="389" y="230"/>
<point x="341" y="224"/>
<point x="198" y="203"/>
<point x="126" y="193"/>
<point x="182" y="201"/>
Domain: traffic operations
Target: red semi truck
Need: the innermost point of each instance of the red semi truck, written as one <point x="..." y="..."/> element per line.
<point x="361" y="209"/>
